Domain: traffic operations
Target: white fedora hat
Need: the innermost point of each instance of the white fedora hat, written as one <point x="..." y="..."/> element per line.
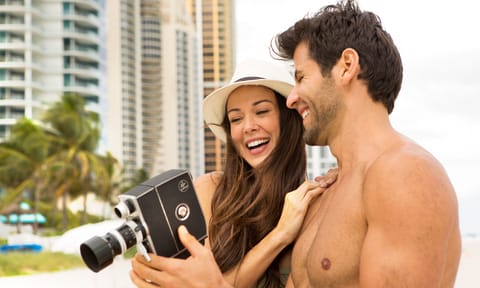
<point x="249" y="72"/>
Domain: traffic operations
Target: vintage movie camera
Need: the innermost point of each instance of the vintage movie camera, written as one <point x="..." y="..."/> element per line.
<point x="152" y="212"/>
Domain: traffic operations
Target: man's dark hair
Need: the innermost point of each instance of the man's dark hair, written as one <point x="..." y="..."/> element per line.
<point x="336" y="27"/>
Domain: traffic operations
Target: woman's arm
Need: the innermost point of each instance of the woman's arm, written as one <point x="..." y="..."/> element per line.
<point x="257" y="260"/>
<point x="201" y="270"/>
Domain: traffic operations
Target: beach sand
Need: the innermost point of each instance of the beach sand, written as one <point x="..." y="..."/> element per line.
<point x="116" y="275"/>
<point x="469" y="271"/>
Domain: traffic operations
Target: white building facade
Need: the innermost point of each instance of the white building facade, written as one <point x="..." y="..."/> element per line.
<point x="48" y="48"/>
<point x="154" y="74"/>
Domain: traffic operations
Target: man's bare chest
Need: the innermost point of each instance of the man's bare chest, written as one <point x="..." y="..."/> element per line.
<point x="328" y="249"/>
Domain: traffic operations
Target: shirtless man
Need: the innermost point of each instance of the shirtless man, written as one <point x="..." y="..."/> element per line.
<point x="391" y="218"/>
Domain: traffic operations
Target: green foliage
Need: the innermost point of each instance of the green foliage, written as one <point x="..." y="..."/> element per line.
<point x="140" y="176"/>
<point x="57" y="160"/>
<point x="22" y="263"/>
<point x="73" y="220"/>
<point x="54" y="219"/>
<point x="130" y="253"/>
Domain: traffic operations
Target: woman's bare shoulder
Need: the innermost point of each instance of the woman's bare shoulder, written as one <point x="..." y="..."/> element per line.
<point x="208" y="181"/>
<point x="205" y="186"/>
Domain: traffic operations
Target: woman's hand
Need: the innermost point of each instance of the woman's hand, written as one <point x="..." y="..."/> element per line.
<point x="297" y="202"/>
<point x="198" y="270"/>
<point x="328" y="179"/>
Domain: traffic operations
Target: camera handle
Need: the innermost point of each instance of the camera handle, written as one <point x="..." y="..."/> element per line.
<point x="139" y="237"/>
<point x="142" y="250"/>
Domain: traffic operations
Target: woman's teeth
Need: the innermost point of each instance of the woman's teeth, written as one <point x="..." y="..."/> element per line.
<point x="256" y="143"/>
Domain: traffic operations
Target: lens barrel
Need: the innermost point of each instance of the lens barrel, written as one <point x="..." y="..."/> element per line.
<point x="98" y="252"/>
<point x="124" y="209"/>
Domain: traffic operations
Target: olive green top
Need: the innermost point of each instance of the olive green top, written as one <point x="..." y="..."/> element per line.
<point x="284" y="273"/>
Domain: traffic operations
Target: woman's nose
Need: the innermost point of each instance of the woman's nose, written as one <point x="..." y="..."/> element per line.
<point x="250" y="124"/>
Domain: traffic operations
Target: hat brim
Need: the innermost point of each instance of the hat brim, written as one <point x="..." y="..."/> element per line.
<point x="214" y="103"/>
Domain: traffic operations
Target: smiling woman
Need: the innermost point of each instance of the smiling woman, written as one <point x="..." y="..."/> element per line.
<point x="253" y="116"/>
<point x="255" y="207"/>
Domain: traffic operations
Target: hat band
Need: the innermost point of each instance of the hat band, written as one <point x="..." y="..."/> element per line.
<point x="248" y="78"/>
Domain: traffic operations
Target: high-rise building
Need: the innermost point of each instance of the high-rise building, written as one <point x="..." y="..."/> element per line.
<point x="154" y="104"/>
<point x="215" y="21"/>
<point x="48" y="48"/>
<point x="319" y="161"/>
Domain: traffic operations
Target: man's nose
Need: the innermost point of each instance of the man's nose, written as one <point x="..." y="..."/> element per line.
<point x="292" y="98"/>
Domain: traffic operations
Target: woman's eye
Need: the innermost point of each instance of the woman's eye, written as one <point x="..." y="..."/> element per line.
<point x="233" y="120"/>
<point x="260" y="112"/>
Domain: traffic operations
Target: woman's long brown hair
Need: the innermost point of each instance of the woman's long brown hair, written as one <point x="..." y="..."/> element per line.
<point x="248" y="202"/>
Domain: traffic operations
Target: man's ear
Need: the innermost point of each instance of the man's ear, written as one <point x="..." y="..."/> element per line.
<point x="349" y="65"/>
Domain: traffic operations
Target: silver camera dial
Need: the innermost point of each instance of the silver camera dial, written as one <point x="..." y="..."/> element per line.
<point x="182" y="211"/>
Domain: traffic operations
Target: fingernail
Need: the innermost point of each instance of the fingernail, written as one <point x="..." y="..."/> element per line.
<point x="182" y="229"/>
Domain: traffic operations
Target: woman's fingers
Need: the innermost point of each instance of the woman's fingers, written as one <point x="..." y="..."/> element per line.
<point x="189" y="241"/>
<point x="328" y="179"/>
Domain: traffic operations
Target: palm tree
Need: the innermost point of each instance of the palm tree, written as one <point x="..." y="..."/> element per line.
<point x="22" y="162"/>
<point x="57" y="158"/>
<point x="74" y="169"/>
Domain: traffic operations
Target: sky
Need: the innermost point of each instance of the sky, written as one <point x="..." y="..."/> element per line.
<point x="438" y="105"/>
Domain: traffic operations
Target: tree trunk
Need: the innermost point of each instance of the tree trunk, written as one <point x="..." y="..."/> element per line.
<point x="83" y="220"/>
<point x="36" y="200"/>
<point x="64" y="211"/>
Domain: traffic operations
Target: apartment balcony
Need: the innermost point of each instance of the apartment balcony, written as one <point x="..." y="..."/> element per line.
<point x="82" y="88"/>
<point x="87" y="4"/>
<point x="12" y="2"/>
<point x="82" y="70"/>
<point x="19" y="66"/>
<point x="12" y="103"/>
<point x="81" y="34"/>
<point x="12" y="18"/>
<point x="9" y="37"/>
<point x="83" y="18"/>
<point x="7" y="122"/>
<point x="18" y="28"/>
<point x="83" y="53"/>
<point x="12" y="62"/>
<point x="13" y="82"/>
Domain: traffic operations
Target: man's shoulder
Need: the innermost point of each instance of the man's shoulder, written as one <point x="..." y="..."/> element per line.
<point x="406" y="170"/>
<point x="405" y="157"/>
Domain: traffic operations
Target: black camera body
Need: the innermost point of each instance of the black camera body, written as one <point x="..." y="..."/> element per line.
<point x="152" y="211"/>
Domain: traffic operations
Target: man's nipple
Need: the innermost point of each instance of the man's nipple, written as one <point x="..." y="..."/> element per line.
<point x="326" y="263"/>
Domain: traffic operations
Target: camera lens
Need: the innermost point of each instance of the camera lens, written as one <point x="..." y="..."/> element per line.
<point x="124" y="209"/>
<point x="98" y="252"/>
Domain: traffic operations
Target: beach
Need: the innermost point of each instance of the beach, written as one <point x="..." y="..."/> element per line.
<point x="116" y="275"/>
<point x="469" y="271"/>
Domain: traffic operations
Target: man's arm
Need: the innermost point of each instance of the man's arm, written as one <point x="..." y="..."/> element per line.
<point x="411" y="213"/>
